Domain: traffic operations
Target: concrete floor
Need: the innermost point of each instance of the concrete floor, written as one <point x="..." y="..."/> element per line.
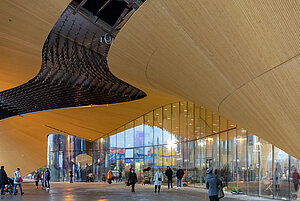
<point x="113" y="192"/>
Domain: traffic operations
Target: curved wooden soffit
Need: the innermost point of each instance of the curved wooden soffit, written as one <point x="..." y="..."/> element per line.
<point x="238" y="58"/>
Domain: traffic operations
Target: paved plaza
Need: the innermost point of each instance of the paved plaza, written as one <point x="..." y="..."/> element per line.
<point x="114" y="192"/>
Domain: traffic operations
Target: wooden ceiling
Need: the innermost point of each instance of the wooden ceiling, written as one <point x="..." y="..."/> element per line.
<point x="24" y="27"/>
<point x="238" y="58"/>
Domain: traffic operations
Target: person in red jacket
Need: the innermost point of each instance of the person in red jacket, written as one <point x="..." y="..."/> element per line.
<point x="296" y="178"/>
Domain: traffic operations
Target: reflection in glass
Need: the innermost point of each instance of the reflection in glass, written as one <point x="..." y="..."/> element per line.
<point x="179" y="135"/>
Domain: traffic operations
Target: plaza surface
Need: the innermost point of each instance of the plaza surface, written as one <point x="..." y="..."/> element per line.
<point x="114" y="192"/>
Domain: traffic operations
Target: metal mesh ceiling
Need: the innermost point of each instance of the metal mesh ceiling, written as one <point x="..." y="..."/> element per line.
<point x="74" y="72"/>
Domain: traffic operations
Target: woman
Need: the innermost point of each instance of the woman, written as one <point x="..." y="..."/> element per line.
<point x="109" y="176"/>
<point x="211" y="182"/>
<point x="132" y="179"/>
<point x="158" y="179"/>
<point x="17" y="181"/>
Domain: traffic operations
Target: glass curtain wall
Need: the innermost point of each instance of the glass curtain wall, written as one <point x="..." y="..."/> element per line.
<point x="180" y="135"/>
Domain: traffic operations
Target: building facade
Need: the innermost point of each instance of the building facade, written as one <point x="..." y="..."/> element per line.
<point x="180" y="135"/>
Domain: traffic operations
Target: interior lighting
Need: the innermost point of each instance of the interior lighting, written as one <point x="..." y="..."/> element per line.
<point x="210" y="139"/>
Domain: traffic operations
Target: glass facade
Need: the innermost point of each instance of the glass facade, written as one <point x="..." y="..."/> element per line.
<point x="181" y="135"/>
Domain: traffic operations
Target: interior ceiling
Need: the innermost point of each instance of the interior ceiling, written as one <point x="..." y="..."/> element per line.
<point x="24" y="28"/>
<point x="238" y="58"/>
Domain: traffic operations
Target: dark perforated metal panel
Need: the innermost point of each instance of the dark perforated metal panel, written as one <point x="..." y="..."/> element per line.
<point x="74" y="72"/>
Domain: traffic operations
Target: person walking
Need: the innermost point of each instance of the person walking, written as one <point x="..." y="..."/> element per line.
<point x="212" y="183"/>
<point x="169" y="175"/>
<point x="158" y="179"/>
<point x="132" y="180"/>
<point x="36" y="178"/>
<point x="17" y="181"/>
<point x="3" y="180"/>
<point x="277" y="179"/>
<point x="109" y="176"/>
<point x="296" y="178"/>
<point x="179" y="175"/>
<point x="47" y="179"/>
<point x="71" y="176"/>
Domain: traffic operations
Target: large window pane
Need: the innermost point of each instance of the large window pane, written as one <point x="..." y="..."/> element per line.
<point x="191" y="121"/>
<point x="158" y="126"/>
<point x="266" y="155"/>
<point x="129" y="135"/>
<point x="139" y="132"/>
<point x="231" y="172"/>
<point x="241" y="141"/>
<point x="175" y="122"/>
<point x="148" y="135"/>
<point x="183" y="120"/>
<point x="167" y="137"/>
<point x="281" y="174"/>
<point x="253" y="164"/>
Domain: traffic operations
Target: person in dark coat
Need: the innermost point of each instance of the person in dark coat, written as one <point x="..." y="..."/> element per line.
<point x="132" y="179"/>
<point x="169" y="175"/>
<point x="47" y="179"/>
<point x="36" y="178"/>
<point x="3" y="179"/>
<point x="212" y="182"/>
<point x="179" y="175"/>
<point x="71" y="176"/>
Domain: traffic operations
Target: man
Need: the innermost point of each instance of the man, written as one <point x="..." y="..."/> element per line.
<point x="179" y="175"/>
<point x="169" y="175"/>
<point x="47" y="179"/>
<point x="36" y="178"/>
<point x="3" y="179"/>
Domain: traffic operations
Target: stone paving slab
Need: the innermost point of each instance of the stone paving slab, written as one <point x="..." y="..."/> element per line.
<point x="116" y="192"/>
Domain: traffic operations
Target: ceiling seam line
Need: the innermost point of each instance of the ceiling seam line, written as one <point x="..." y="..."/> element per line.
<point x="263" y="73"/>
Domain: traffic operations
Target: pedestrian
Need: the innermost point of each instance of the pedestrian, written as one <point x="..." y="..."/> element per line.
<point x="42" y="179"/>
<point x="71" y="176"/>
<point x="296" y="178"/>
<point x="132" y="180"/>
<point x="277" y="179"/>
<point x="211" y="182"/>
<point x="109" y="176"/>
<point x="17" y="181"/>
<point x="179" y="175"/>
<point x="169" y="175"/>
<point x="36" y="178"/>
<point x="158" y="179"/>
<point x="3" y="180"/>
<point x="47" y="179"/>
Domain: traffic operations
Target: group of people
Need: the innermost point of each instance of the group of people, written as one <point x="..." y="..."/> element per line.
<point x="44" y="177"/>
<point x="157" y="179"/>
<point x="17" y="180"/>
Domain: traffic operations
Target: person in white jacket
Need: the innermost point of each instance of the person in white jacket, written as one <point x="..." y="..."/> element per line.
<point x="17" y="181"/>
<point x="158" y="179"/>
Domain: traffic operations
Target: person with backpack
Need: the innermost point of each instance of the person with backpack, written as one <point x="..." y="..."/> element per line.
<point x="179" y="175"/>
<point x="17" y="181"/>
<point x="36" y="178"/>
<point x="47" y="179"/>
<point x="169" y="175"/>
<point x="158" y="179"/>
<point x="3" y="180"/>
